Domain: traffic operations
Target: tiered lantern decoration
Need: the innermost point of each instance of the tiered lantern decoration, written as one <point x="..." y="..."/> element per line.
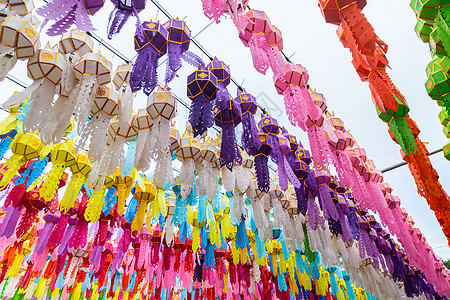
<point x="20" y="8"/>
<point x="179" y="38"/>
<point x="162" y="108"/>
<point x="24" y="148"/>
<point x="280" y="149"/>
<point x="105" y="106"/>
<point x="337" y="138"/>
<point x="94" y="207"/>
<point x="327" y="204"/>
<point x="214" y="9"/>
<point x="258" y="34"/>
<point x="93" y="70"/>
<point x="119" y="134"/>
<point x="143" y="124"/>
<point x="124" y="187"/>
<point x="291" y="84"/>
<point x="66" y="14"/>
<point x="222" y="73"/>
<point x="143" y="196"/>
<point x="207" y="179"/>
<point x="121" y="82"/>
<point x="45" y="68"/>
<point x="63" y="156"/>
<point x="248" y="106"/>
<point x="123" y="10"/>
<point x="261" y="162"/>
<point x="201" y="88"/>
<point x="19" y="40"/>
<point x="80" y="170"/>
<point x="150" y="45"/>
<point x="73" y="44"/>
<point x="227" y="115"/>
<point x="188" y="153"/>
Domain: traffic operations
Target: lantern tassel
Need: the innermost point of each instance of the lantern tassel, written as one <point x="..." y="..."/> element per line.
<point x="117" y="19"/>
<point x="262" y="172"/>
<point x="144" y="75"/>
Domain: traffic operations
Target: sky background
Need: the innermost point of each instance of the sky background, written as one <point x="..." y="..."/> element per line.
<point x="311" y="42"/>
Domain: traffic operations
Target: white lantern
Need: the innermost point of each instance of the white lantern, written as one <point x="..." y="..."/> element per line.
<point x="19" y="34"/>
<point x="93" y="70"/>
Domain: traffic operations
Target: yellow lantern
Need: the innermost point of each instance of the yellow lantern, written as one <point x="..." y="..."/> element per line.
<point x="80" y="170"/>
<point x="95" y="204"/>
<point x="124" y="186"/>
<point x="144" y="196"/>
<point x="24" y="147"/>
<point x="63" y="156"/>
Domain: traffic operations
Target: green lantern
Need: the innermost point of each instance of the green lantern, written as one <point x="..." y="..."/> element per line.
<point x="443" y="117"/>
<point x="426" y="9"/>
<point x="423" y="30"/>
<point x="447" y="151"/>
<point x="437" y="84"/>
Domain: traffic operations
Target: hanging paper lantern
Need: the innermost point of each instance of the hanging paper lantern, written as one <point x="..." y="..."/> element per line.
<point x="174" y="139"/>
<point x="201" y="88"/>
<point x="261" y="161"/>
<point x="123" y="10"/>
<point x="150" y="46"/>
<point x="121" y="81"/>
<point x="188" y="153"/>
<point x="66" y="14"/>
<point x="331" y="9"/>
<point x="75" y="41"/>
<point x="95" y="204"/>
<point x="19" y="40"/>
<point x="228" y="117"/>
<point x="162" y="108"/>
<point x="207" y="178"/>
<point x="257" y="35"/>
<point x="80" y="170"/>
<point x="178" y="44"/>
<point x="143" y="124"/>
<point x="24" y="147"/>
<point x="45" y="68"/>
<point x="20" y="8"/>
<point x="248" y="107"/>
<point x="326" y="201"/>
<point x="280" y="149"/>
<point x="62" y="156"/>
<point x="93" y="70"/>
<point x="144" y="195"/>
<point x="104" y="108"/>
<point x="222" y="73"/>
<point x="291" y="84"/>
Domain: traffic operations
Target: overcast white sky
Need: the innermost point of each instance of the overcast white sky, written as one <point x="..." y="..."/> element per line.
<point x="314" y="44"/>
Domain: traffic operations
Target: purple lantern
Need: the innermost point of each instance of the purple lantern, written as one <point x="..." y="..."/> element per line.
<point x="150" y="47"/>
<point x="228" y="117"/>
<point x="270" y="126"/>
<point x="222" y="72"/>
<point x="248" y="106"/>
<point x="123" y="9"/>
<point x="202" y="89"/>
<point x="178" y="45"/>
<point x="261" y="155"/>
<point x="67" y="13"/>
<point x="323" y="178"/>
